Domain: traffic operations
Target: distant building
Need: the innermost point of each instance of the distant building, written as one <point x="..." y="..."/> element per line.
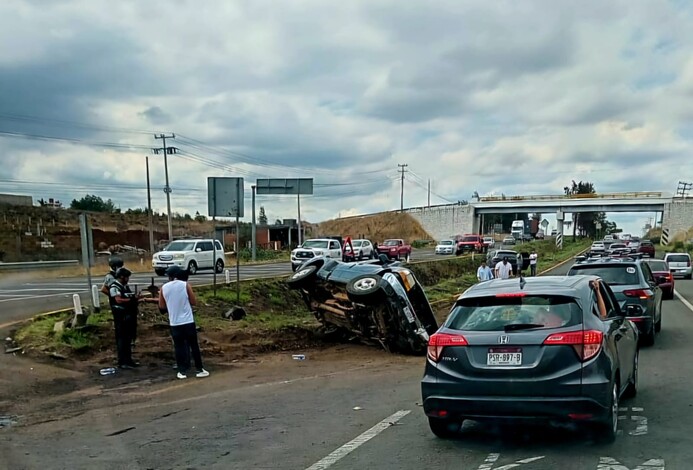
<point x="54" y="203"/>
<point x="16" y="200"/>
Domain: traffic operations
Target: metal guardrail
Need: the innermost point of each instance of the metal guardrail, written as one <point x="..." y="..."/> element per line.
<point x="555" y="197"/>
<point x="37" y="265"/>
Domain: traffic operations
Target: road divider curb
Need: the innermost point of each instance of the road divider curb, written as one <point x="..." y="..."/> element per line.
<point x="37" y="317"/>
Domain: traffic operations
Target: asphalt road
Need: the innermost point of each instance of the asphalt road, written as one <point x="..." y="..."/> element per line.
<point x="26" y="294"/>
<point x="320" y="414"/>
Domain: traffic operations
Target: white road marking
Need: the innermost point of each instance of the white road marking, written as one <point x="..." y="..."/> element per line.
<point x="641" y="428"/>
<point x="683" y="300"/>
<point x="638" y="409"/>
<point x="610" y="463"/>
<point x="489" y="461"/>
<point x="352" y="445"/>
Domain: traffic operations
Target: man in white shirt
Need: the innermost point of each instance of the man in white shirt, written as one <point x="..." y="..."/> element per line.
<point x="484" y="273"/>
<point x="177" y="298"/>
<point x="504" y="270"/>
<point x="533" y="262"/>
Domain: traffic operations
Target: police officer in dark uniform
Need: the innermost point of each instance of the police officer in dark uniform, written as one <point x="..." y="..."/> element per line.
<point x="124" y="307"/>
<point x="115" y="262"/>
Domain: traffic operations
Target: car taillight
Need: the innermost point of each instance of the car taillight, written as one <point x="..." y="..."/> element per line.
<point x="643" y="294"/>
<point x="586" y="343"/>
<point x="438" y="341"/>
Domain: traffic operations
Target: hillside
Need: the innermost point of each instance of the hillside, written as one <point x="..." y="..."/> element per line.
<point x="44" y="233"/>
<point x="376" y="227"/>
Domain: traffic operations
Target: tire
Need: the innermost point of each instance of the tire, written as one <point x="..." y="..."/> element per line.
<point x="192" y="268"/>
<point x="365" y="289"/>
<point x="302" y="277"/>
<point x="658" y="325"/>
<point x="632" y="388"/>
<point x="160" y="272"/>
<point x="689" y="277"/>
<point x="219" y="266"/>
<point x="444" y="428"/>
<point x="648" y="339"/>
<point x="607" y="429"/>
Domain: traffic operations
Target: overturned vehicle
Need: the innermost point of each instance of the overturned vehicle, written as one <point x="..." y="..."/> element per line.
<point x="378" y="300"/>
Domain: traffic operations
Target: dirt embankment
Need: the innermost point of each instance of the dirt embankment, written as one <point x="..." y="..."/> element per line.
<point x="376" y="227"/>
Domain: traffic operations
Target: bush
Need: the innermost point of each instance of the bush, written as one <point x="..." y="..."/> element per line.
<point x="246" y="254"/>
<point x="678" y="245"/>
<point x="420" y="243"/>
<point x="656" y="240"/>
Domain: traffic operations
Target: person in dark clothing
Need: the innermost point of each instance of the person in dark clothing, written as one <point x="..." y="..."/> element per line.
<point x="115" y="263"/>
<point x="124" y="305"/>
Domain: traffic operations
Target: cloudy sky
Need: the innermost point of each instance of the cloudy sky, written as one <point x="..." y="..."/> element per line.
<point x="496" y="97"/>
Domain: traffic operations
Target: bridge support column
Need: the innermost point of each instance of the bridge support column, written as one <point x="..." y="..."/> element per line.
<point x="560" y="218"/>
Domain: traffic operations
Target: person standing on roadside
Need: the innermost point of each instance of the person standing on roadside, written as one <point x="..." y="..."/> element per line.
<point x="124" y="307"/>
<point x="115" y="263"/>
<point x="484" y="273"/>
<point x="533" y="257"/>
<point x="177" y="298"/>
<point x="504" y="270"/>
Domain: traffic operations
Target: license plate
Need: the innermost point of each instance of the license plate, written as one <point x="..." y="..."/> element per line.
<point x="407" y="313"/>
<point x="510" y="357"/>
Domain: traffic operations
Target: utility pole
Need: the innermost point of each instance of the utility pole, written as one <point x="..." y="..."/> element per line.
<point x="254" y="228"/>
<point x="167" y="188"/>
<point x="429" y="192"/>
<point x="402" y="168"/>
<point x="683" y="188"/>
<point x="149" y="210"/>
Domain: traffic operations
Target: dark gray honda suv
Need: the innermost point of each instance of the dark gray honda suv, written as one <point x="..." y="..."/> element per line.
<point x="550" y="348"/>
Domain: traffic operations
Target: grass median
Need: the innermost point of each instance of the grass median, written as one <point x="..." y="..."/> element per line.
<point x="277" y="319"/>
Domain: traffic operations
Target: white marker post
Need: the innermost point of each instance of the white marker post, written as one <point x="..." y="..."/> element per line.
<point x="228" y="276"/>
<point x="96" y="302"/>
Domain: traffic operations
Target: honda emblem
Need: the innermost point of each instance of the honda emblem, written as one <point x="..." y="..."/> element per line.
<point x="503" y="339"/>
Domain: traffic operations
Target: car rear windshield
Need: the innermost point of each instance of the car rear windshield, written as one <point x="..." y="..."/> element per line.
<point x="678" y="258"/>
<point x="390" y="242"/>
<point x="357" y="243"/>
<point x="658" y="266"/>
<point x="502" y="254"/>
<point x="615" y="275"/>
<point x="646" y="244"/>
<point x="528" y="312"/>
<point x="447" y="242"/>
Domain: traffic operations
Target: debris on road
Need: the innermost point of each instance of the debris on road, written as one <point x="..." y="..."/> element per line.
<point x="299" y="357"/>
<point x="235" y="313"/>
<point x="13" y="350"/>
<point x="7" y="421"/>
<point x="357" y="408"/>
<point x="108" y="371"/>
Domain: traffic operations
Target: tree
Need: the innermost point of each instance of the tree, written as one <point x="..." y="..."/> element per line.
<point x="199" y="217"/>
<point x="585" y="223"/>
<point x="93" y="203"/>
<point x="262" y="218"/>
<point x="278" y="222"/>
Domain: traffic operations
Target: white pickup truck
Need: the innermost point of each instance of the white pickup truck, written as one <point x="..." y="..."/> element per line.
<point x="327" y="247"/>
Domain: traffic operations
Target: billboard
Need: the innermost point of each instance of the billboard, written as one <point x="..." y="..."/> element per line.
<point x="225" y="197"/>
<point x="283" y="186"/>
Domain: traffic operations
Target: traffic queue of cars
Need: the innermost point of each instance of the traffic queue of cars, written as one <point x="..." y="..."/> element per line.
<point x="348" y="250"/>
<point x="549" y="349"/>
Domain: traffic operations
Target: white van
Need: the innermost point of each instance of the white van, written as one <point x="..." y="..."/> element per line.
<point x="679" y="264"/>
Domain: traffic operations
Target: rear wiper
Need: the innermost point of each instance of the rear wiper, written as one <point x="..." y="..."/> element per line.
<point x="522" y="326"/>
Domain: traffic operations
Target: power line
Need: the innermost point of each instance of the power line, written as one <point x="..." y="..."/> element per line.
<point x="70" y="124"/>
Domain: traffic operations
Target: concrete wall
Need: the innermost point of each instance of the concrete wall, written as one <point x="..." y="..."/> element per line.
<point x="678" y="217"/>
<point x="443" y="221"/>
<point x="16" y="200"/>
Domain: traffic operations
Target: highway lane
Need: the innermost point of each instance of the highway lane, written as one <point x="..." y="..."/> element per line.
<point x="362" y="410"/>
<point x="27" y="294"/>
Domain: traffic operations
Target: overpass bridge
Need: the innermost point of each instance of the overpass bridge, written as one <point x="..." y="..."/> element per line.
<point x="445" y="220"/>
<point x="608" y="202"/>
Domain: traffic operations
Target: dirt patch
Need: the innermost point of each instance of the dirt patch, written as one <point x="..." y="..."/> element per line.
<point x="376" y="227"/>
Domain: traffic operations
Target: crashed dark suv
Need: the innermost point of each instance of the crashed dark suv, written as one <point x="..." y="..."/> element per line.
<point x="379" y="301"/>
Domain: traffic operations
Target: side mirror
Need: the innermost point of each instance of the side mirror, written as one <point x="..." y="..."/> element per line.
<point x="198" y="250"/>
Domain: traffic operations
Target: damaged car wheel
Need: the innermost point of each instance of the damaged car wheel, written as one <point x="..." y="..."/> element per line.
<point x="365" y="289"/>
<point x="302" y="276"/>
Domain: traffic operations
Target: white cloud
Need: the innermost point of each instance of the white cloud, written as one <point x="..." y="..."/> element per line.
<point x="500" y="97"/>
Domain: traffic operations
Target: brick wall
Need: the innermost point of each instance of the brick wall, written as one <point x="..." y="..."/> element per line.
<point x="678" y="217"/>
<point x="443" y="221"/>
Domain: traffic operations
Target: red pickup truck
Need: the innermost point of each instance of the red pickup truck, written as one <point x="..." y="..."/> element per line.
<point x="395" y="248"/>
<point x="469" y="243"/>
